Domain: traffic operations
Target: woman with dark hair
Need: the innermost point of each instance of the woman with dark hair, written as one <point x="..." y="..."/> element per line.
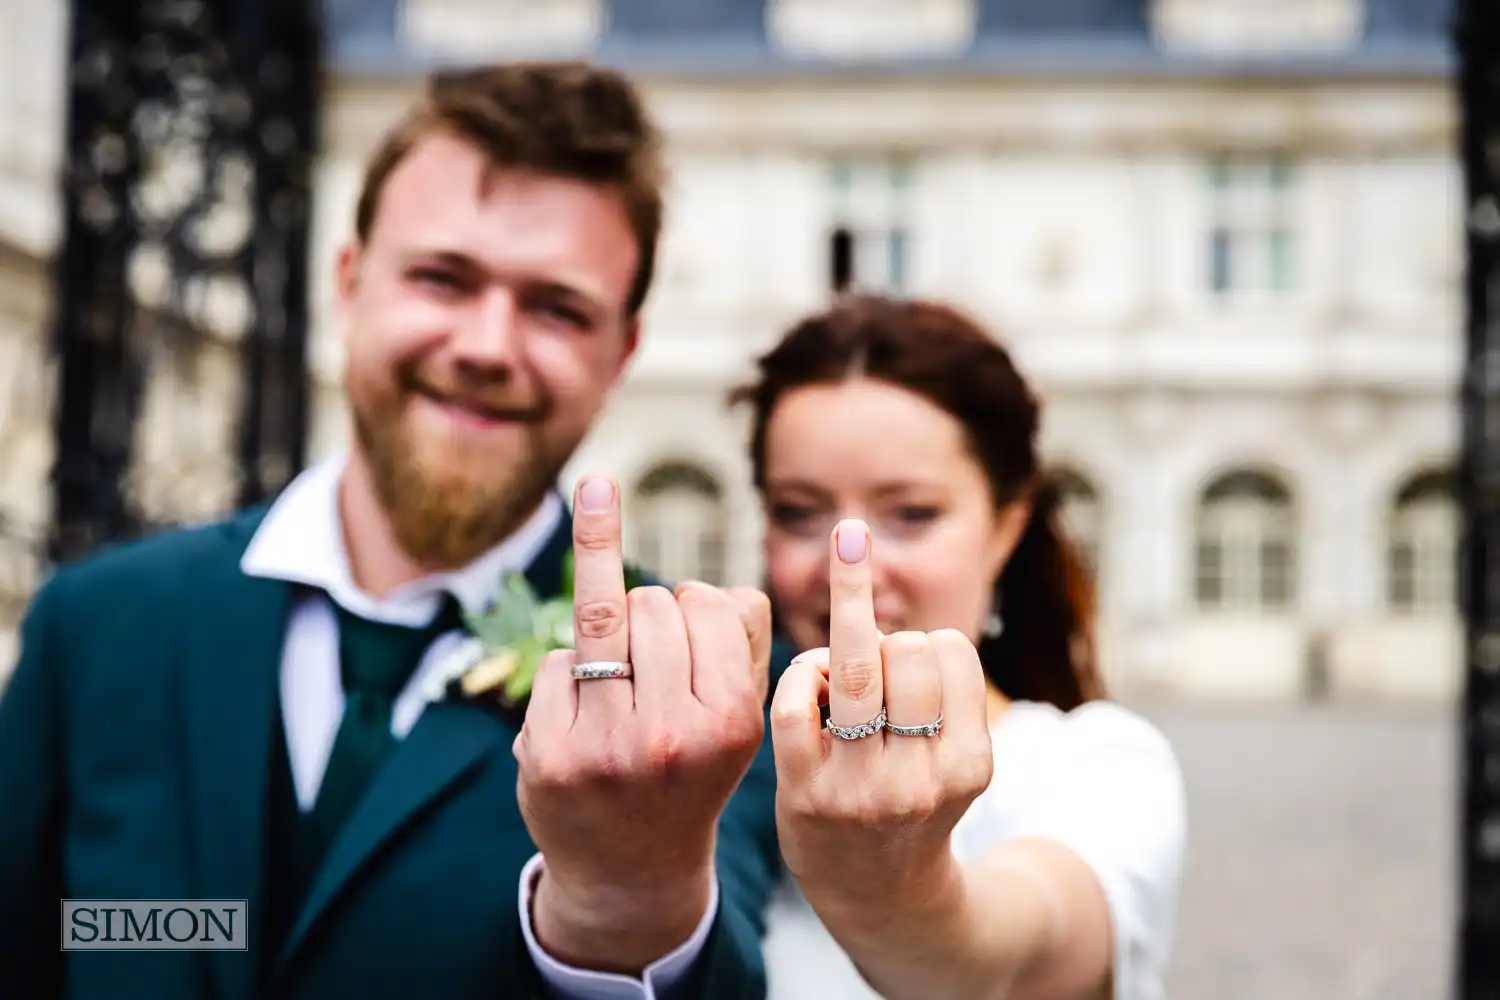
<point x="962" y="810"/>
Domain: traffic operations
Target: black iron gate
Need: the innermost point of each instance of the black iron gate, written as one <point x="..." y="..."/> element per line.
<point x="1478" y="37"/>
<point x="181" y="311"/>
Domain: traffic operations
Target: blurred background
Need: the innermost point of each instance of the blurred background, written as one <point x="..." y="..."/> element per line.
<point x="1225" y="238"/>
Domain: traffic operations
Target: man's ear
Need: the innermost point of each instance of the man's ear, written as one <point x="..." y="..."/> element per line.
<point x="632" y="339"/>
<point x="346" y="273"/>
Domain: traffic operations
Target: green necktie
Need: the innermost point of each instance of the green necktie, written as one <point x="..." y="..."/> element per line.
<point x="376" y="660"/>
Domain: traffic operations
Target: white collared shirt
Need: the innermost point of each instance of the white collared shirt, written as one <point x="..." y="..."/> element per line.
<point x="301" y="540"/>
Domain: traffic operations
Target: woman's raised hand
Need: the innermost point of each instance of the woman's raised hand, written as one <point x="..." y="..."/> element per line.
<point x="866" y="806"/>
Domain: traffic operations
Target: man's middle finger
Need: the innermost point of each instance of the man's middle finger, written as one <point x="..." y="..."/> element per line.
<point x="601" y="628"/>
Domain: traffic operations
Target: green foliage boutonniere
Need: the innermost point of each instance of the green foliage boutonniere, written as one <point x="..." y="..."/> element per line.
<point x="509" y="640"/>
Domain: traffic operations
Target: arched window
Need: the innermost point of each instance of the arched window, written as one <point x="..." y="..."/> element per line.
<point x="1421" y="562"/>
<point x="1245" y="544"/>
<point x="1082" y="516"/>
<point x="679" y="524"/>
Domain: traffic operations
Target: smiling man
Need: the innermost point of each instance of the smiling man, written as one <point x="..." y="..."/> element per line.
<point x="242" y="711"/>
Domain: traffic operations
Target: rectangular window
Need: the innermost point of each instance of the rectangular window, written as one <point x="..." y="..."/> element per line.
<point x="869" y="238"/>
<point x="1251" y="241"/>
<point x="1219" y="266"/>
<point x="896" y="254"/>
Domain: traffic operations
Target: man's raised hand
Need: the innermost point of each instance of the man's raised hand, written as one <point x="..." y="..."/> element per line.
<point x="623" y="778"/>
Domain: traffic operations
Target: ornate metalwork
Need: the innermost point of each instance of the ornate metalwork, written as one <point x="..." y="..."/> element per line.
<point x="1477" y="31"/>
<point x="181" y="286"/>
<point x="25" y="434"/>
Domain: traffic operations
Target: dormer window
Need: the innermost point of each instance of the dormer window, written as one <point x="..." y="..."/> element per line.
<point x="1258" y="27"/>
<point x="489" y="29"/>
<point x="871" y="29"/>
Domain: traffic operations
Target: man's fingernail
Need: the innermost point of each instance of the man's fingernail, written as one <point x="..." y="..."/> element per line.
<point x="595" y="494"/>
<point x="853" y="541"/>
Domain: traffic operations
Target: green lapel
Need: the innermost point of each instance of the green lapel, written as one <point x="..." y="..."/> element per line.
<point x="446" y="742"/>
<point x="233" y="626"/>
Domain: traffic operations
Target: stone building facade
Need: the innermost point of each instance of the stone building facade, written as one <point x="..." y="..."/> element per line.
<point x="1224" y="238"/>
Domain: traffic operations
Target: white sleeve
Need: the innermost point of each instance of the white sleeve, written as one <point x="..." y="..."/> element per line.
<point x="585" y="984"/>
<point x="1108" y="786"/>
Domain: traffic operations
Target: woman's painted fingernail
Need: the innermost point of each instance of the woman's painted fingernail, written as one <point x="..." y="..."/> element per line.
<point x="853" y="542"/>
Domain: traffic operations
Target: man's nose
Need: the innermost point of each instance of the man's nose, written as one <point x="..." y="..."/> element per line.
<point x="489" y="334"/>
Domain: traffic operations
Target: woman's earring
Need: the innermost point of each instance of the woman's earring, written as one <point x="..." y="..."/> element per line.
<point x="994" y="625"/>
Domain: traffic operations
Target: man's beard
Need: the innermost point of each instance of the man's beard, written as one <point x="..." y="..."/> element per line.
<point x="445" y="515"/>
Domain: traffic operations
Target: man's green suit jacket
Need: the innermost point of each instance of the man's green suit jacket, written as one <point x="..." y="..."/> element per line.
<point x="135" y="751"/>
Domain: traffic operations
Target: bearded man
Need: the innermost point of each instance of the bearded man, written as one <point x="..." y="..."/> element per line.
<point x="339" y="711"/>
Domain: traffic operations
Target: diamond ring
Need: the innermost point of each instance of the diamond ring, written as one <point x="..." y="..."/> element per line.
<point x="930" y="729"/>
<point x="592" y="670"/>
<point x="858" y="732"/>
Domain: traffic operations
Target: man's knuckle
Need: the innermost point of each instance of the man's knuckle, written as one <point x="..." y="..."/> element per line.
<point x="605" y="764"/>
<point x="554" y="771"/>
<point x="744" y="727"/>
<point x="599" y="536"/>
<point x="642" y="599"/>
<point x="600" y="619"/>
<point x="663" y="751"/>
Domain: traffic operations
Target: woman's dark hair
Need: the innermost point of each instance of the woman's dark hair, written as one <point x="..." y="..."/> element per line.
<point x="1046" y="652"/>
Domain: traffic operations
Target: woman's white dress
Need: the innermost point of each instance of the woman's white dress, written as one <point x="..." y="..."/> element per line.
<point x="1101" y="780"/>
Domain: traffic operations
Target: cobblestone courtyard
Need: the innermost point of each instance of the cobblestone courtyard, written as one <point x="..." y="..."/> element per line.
<point x="1321" y="852"/>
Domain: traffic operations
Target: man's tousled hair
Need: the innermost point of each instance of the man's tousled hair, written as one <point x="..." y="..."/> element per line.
<point x="569" y="120"/>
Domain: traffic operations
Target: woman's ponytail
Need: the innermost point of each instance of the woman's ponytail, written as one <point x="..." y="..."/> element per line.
<point x="1046" y="648"/>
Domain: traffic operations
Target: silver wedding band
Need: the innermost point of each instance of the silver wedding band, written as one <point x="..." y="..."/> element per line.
<point x="593" y="670"/>
<point x="930" y="729"/>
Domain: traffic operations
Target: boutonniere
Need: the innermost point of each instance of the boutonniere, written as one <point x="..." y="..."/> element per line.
<point x="508" y="641"/>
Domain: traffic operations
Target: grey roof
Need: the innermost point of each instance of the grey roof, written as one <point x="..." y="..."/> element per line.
<point x="717" y="38"/>
<point x="1087" y="18"/>
<point x="682" y="20"/>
